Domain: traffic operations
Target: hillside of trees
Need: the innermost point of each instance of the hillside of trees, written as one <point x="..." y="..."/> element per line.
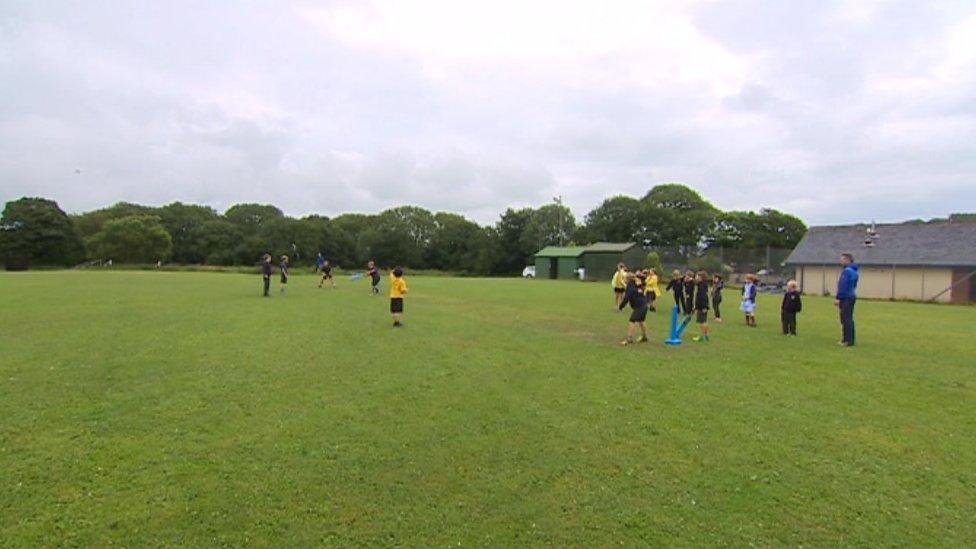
<point x="669" y="217"/>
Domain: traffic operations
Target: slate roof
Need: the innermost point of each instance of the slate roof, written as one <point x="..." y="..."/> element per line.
<point x="560" y="251"/>
<point x="908" y="244"/>
<point x="614" y="247"/>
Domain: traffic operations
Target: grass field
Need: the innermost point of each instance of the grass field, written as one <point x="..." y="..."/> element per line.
<point x="144" y="408"/>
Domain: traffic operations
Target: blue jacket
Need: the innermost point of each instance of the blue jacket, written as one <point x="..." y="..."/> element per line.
<point x="847" y="283"/>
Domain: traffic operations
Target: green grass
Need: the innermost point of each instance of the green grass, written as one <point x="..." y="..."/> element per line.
<point x="146" y="408"/>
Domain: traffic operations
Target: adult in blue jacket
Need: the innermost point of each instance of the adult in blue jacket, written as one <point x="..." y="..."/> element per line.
<point x="846" y="296"/>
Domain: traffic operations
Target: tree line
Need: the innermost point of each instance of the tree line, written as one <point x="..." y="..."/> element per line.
<point x="670" y="216"/>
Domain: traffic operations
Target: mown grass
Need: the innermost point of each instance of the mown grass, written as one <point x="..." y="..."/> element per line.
<point x="147" y="408"/>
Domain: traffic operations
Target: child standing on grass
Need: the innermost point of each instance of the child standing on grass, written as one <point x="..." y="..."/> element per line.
<point x="283" y="267"/>
<point x="791" y="305"/>
<point x="266" y="272"/>
<point x="677" y="287"/>
<point x="689" y="283"/>
<point x="619" y="283"/>
<point x="398" y="288"/>
<point x="653" y="289"/>
<point x="374" y="276"/>
<point x="717" y="285"/>
<point x="327" y="274"/>
<point x="638" y="305"/>
<point x="748" y="305"/>
<point x="701" y="305"/>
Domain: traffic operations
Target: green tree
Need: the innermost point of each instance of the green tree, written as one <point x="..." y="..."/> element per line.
<point x="400" y="236"/>
<point x="38" y="232"/>
<point x="250" y="217"/>
<point x="456" y="244"/>
<point x="132" y="239"/>
<point x="89" y="223"/>
<point x="185" y="223"/>
<point x="550" y="225"/>
<point x="617" y="219"/>
<point x="743" y="230"/>
<point x="677" y="217"/>
<point x="510" y="252"/>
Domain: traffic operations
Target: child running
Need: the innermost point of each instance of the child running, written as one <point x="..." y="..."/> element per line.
<point x="791" y="305"/>
<point x="283" y="267"/>
<point x="618" y="282"/>
<point x="374" y="275"/>
<point x="398" y="288"/>
<point x="748" y="305"/>
<point x="676" y="286"/>
<point x="638" y="305"/>
<point x="717" y="285"/>
<point x="326" y="269"/>
<point x="266" y="272"/>
<point x="701" y="305"/>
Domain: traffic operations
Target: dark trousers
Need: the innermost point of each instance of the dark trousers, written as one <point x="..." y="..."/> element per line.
<point x="715" y="305"/>
<point x="267" y="285"/>
<point x="847" y="319"/>
<point x="789" y="322"/>
<point x="688" y="305"/>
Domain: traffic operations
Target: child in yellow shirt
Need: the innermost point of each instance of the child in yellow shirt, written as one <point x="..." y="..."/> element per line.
<point x="398" y="288"/>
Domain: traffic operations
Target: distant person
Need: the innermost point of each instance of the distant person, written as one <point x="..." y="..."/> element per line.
<point x="676" y="287"/>
<point x="374" y="276"/>
<point x="398" y="288"/>
<point x="717" y="285"/>
<point x="326" y="269"/>
<point x="619" y="284"/>
<point x="701" y="305"/>
<point x="748" y="305"/>
<point x="266" y="272"/>
<point x="688" y="306"/>
<point x="638" y="305"/>
<point x="846" y="297"/>
<point x="792" y="304"/>
<point x="283" y="267"/>
<point x="319" y="262"/>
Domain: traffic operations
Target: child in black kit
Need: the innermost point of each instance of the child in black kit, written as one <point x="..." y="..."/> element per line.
<point x="675" y="285"/>
<point x="688" y="307"/>
<point x="791" y="305"/>
<point x="717" y="285"/>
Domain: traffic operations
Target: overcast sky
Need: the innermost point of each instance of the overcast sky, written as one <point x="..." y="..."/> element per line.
<point x="835" y="111"/>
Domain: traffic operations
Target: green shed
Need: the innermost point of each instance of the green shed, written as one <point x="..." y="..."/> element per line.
<point x="600" y="260"/>
<point x="558" y="262"/>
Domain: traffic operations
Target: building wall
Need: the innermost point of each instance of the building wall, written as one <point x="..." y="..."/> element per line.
<point x="915" y="283"/>
<point x="568" y="266"/>
<point x="963" y="286"/>
<point x="542" y="268"/>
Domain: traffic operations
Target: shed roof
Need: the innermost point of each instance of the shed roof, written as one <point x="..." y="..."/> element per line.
<point x="616" y="247"/>
<point x="921" y="244"/>
<point x="560" y="251"/>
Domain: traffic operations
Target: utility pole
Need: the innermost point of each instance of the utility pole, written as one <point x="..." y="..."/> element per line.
<point x="559" y="202"/>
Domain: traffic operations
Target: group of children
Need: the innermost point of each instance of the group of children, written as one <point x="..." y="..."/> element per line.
<point x="693" y="296"/>
<point x="398" y="284"/>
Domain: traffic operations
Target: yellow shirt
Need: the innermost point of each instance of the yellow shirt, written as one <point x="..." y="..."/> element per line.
<point x="618" y="279"/>
<point x="398" y="286"/>
<point x="652" y="284"/>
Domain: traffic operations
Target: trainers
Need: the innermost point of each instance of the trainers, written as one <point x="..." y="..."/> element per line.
<point x="627" y="342"/>
<point x="642" y="340"/>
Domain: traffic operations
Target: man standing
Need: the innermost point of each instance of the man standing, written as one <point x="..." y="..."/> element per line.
<point x="846" y="296"/>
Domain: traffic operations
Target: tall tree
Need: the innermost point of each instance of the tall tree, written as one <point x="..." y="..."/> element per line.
<point x="511" y="251"/>
<point x="132" y="239"/>
<point x="184" y="223"/>
<point x="617" y="219"/>
<point x="456" y="244"/>
<point x="38" y="232"/>
<point x="250" y="217"/>
<point x="550" y="225"/>
<point x="89" y="223"/>
<point x="677" y="217"/>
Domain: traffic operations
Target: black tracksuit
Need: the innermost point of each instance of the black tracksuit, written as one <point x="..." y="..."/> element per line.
<point x="717" y="297"/>
<point x="689" y="304"/>
<point x="791" y="305"/>
<point x="266" y="272"/>
<point x="676" y="286"/>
